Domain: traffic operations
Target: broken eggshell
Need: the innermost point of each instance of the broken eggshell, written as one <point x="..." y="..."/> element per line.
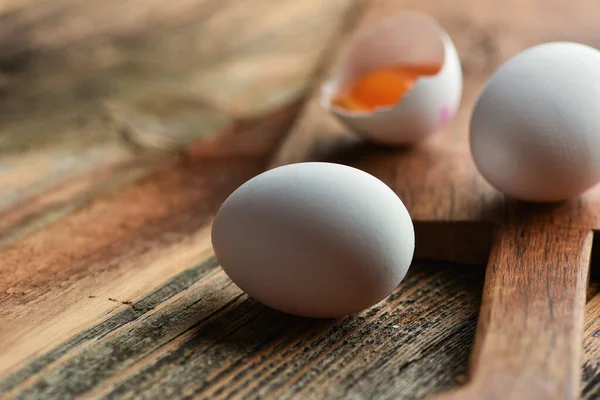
<point x="405" y="40"/>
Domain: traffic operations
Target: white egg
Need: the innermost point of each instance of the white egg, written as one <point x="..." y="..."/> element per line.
<point x="535" y="129"/>
<point x="314" y="239"/>
<point x="407" y="39"/>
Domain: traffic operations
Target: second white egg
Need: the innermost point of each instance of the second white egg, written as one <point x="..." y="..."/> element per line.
<point x="535" y="129"/>
<point x="315" y="239"/>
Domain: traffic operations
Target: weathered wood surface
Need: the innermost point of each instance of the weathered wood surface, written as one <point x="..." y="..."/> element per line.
<point x="108" y="286"/>
<point x="199" y="335"/>
<point x="532" y="314"/>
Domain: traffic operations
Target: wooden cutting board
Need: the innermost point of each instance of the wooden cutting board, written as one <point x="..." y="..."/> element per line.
<point x="529" y="337"/>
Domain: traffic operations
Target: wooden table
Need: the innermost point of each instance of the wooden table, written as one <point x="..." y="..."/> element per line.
<point x="124" y="124"/>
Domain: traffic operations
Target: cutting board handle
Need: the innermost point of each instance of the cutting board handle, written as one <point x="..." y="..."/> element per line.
<point x="528" y="341"/>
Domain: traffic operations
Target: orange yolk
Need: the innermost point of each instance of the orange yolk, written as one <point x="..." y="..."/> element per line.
<point x="382" y="87"/>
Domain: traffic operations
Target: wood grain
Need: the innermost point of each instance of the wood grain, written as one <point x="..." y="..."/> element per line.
<point x="591" y="351"/>
<point x="108" y="286"/>
<point x="528" y="342"/>
<point x="199" y="335"/>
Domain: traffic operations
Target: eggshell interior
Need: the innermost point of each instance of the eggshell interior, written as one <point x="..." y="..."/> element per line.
<point x="407" y="39"/>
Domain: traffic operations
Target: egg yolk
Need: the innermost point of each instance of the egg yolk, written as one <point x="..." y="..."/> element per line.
<point x="382" y="87"/>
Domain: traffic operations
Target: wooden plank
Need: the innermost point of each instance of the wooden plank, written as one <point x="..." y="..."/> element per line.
<point x="590" y="388"/>
<point x="528" y="342"/>
<point x="199" y="335"/>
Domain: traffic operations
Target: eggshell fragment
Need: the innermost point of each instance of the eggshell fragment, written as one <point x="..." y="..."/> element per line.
<point x="407" y="39"/>
<point x="314" y="239"/>
<point x="535" y="129"/>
